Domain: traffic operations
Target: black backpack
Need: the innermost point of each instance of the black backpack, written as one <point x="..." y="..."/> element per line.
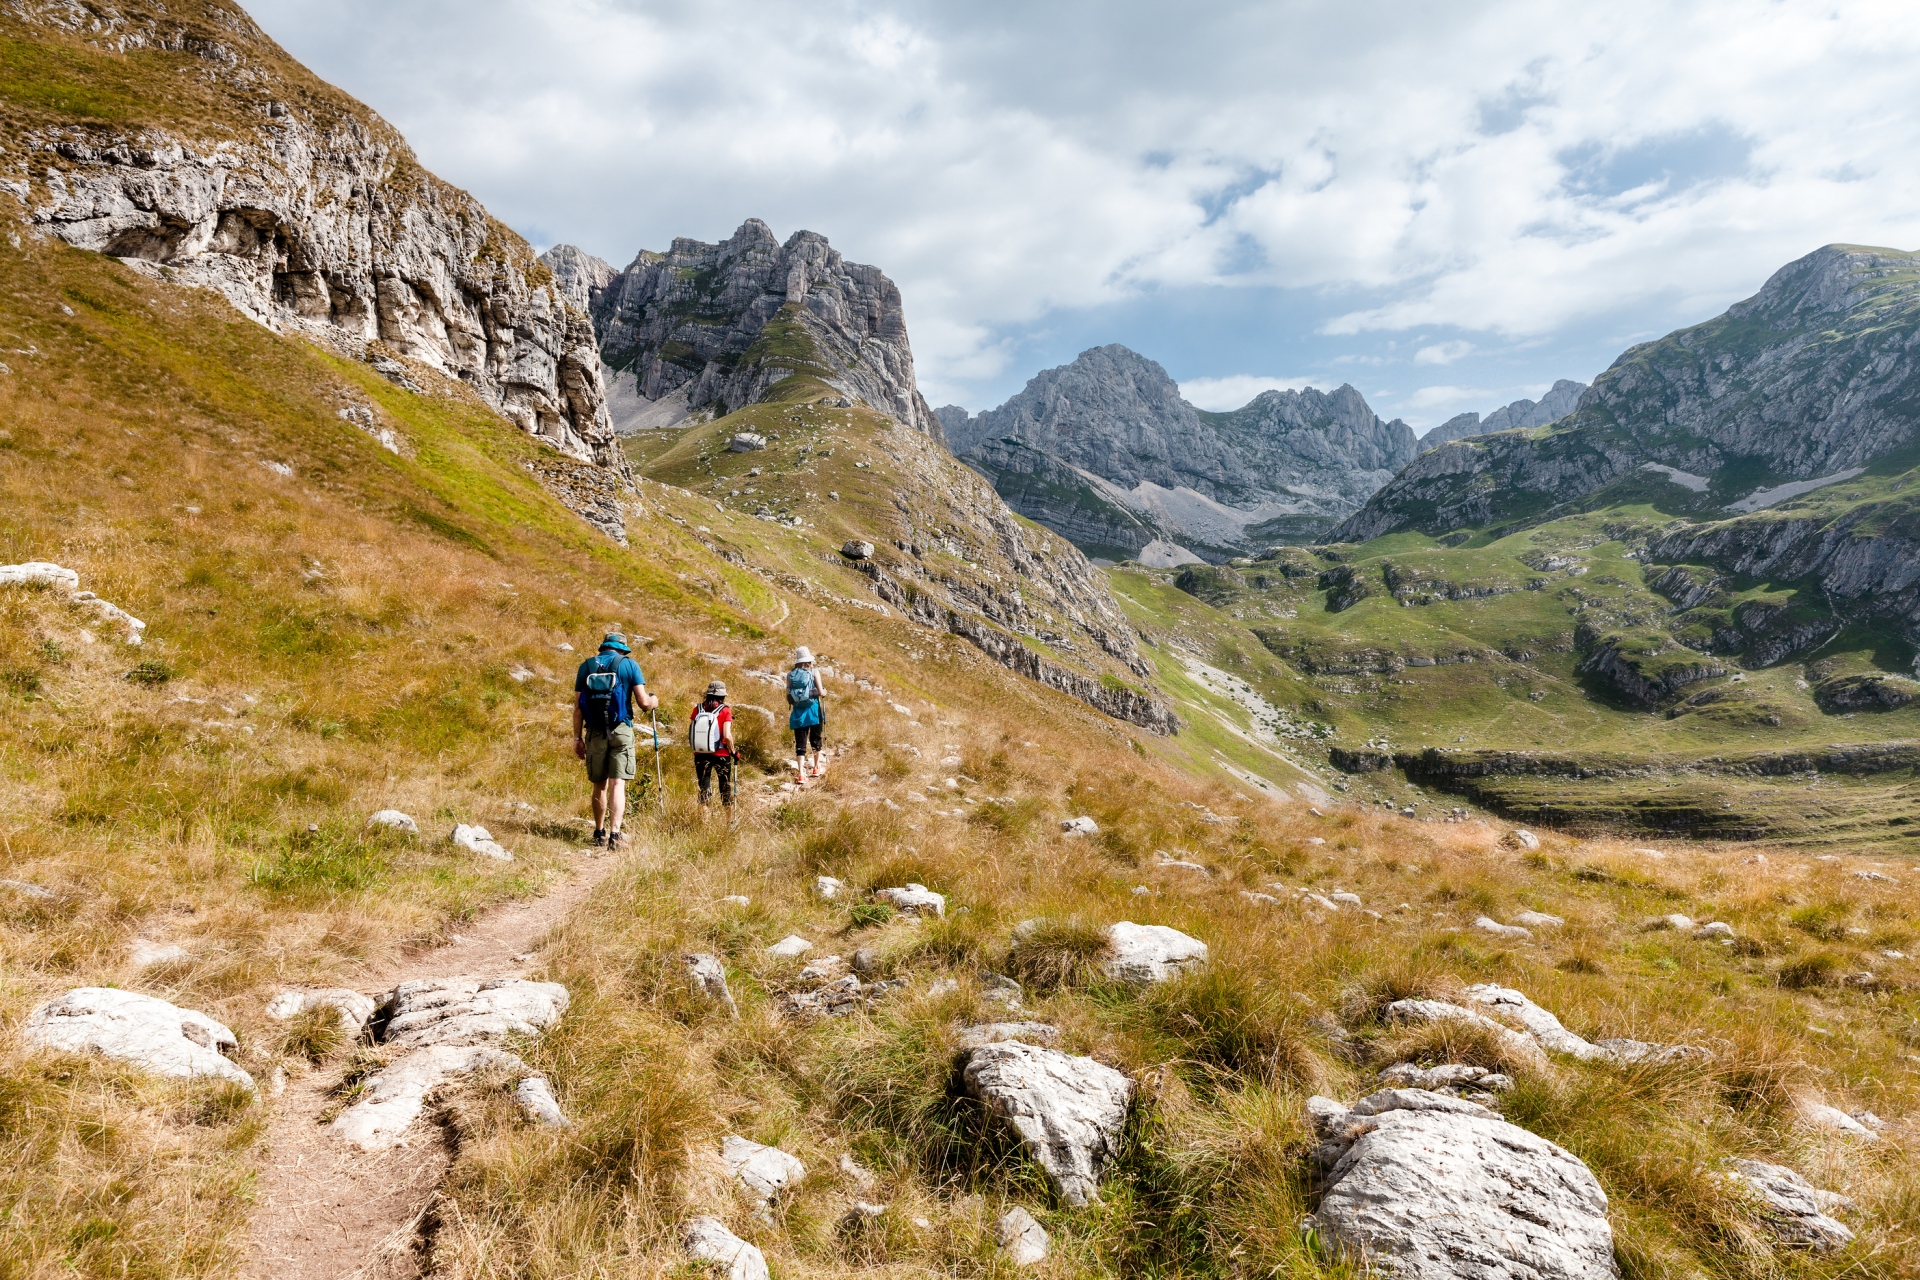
<point x="600" y="706"/>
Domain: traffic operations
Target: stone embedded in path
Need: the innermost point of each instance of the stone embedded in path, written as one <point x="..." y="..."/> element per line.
<point x="913" y="900"/>
<point x="479" y="840"/>
<point x="145" y="1031"/>
<point x="394" y="820"/>
<point x="764" y="1171"/>
<point x="1521" y="1046"/>
<point x="353" y="1007"/>
<point x="1791" y="1207"/>
<point x="442" y="1011"/>
<point x="1068" y="1111"/>
<point x="1021" y="1239"/>
<point x="788" y="947"/>
<point x="708" y="977"/>
<point x="1437" y="1188"/>
<point x="1486" y="924"/>
<point x="707" y="1239"/>
<point x="1082" y="826"/>
<point x="393" y="1097"/>
<point x="1146" y="953"/>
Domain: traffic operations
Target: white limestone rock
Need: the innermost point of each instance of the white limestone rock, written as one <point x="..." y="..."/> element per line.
<point x="1082" y="826"/>
<point x="1068" y="1111"/>
<point x="1520" y="1045"/>
<point x="764" y="1171"/>
<point x="1520" y="838"/>
<point x="1487" y="924"/>
<point x="1021" y="1239"/>
<point x="394" y="820"/>
<point x="1791" y="1207"/>
<point x="1540" y="1024"/>
<point x="462" y="1011"/>
<point x="1822" y="1116"/>
<point x="707" y="975"/>
<point x="855" y="549"/>
<point x="354" y="1007"/>
<point x="1438" y="1188"/>
<point x="479" y="840"/>
<point x="828" y="887"/>
<point x="1538" y="920"/>
<point x="145" y="953"/>
<point x="746" y="442"/>
<point x="1714" y="929"/>
<point x="788" y="947"/>
<point x="913" y="900"/>
<point x="1148" y="953"/>
<point x="825" y="969"/>
<point x="29" y="890"/>
<point x="707" y="1239"/>
<point x="1675" y="921"/>
<point x="392" y="1098"/>
<point x="535" y="1097"/>
<point x="143" y="1030"/>
<point x="38" y="573"/>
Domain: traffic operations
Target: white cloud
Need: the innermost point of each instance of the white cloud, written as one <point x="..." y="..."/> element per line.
<point x="1232" y="392"/>
<point x="1443" y="352"/>
<point x="1493" y="166"/>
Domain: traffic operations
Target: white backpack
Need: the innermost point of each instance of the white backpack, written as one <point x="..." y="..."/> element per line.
<point x="705" y="733"/>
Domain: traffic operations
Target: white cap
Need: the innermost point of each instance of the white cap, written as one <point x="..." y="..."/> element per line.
<point x="802" y="654"/>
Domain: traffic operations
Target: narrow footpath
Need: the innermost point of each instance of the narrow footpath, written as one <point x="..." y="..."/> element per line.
<point x="328" y="1211"/>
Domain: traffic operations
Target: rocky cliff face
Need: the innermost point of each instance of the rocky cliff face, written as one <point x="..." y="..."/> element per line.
<point x="301" y="206"/>
<point x="577" y="274"/>
<point x="1560" y="401"/>
<point x="706" y="326"/>
<point x="1815" y="375"/>
<point x="1287" y="464"/>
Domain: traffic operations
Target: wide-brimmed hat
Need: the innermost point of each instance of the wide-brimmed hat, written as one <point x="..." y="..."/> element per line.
<point x="614" y="640"/>
<point x="802" y="654"/>
<point x="716" y="688"/>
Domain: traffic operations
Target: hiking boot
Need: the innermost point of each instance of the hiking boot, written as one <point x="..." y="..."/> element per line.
<point x="599" y="838"/>
<point x="616" y="841"/>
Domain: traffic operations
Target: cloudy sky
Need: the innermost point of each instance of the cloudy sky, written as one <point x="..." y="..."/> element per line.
<point x="1447" y="205"/>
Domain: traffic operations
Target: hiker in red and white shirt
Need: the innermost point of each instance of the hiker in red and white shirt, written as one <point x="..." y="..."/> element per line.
<point x="710" y="734"/>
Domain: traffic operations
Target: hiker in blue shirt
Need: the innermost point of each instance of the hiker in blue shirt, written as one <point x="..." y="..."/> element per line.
<point x="607" y="689"/>
<point x="808" y="716"/>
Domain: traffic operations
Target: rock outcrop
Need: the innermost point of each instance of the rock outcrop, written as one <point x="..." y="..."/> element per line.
<point x="1560" y="401"/>
<point x="1432" y="1187"/>
<point x="1808" y="380"/>
<point x="1113" y="436"/>
<point x="143" y="1030"/>
<point x="308" y="212"/>
<point x="712" y="326"/>
<point x="1068" y="1111"/>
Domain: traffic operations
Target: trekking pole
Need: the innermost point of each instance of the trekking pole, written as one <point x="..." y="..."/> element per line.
<point x="659" y="796"/>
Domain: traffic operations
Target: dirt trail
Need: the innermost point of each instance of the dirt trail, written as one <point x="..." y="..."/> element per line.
<point x="327" y="1211"/>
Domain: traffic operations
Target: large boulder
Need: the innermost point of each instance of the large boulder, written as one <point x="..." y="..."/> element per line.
<point x="1068" y="1111"/>
<point x="1438" y="1188"/>
<point x="143" y="1030"/>
<point x="1147" y="953"/>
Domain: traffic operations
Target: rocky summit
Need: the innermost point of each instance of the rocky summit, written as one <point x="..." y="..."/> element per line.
<point x="1107" y="453"/>
<point x="707" y="328"/>
<point x="1560" y="401"/>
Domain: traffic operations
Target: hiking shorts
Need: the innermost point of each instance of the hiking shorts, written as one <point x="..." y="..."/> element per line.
<point x="802" y="735"/>
<point x="708" y="768"/>
<point x="610" y="756"/>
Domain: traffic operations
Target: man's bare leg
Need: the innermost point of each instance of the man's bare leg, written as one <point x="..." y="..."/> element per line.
<point x="600" y="806"/>
<point x="616" y="804"/>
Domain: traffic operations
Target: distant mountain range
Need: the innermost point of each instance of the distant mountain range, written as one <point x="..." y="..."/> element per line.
<point x="1555" y="405"/>
<point x="1105" y="452"/>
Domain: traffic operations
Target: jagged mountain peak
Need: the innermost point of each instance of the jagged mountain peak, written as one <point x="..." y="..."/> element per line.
<point x="694" y="329"/>
<point x="1562" y="399"/>
<point x="1832" y="280"/>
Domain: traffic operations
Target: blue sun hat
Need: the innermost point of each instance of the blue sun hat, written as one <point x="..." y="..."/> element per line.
<point x="614" y="640"/>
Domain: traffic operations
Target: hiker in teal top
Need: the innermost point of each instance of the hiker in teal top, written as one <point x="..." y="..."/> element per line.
<point x="809" y="715"/>
<point x="607" y="690"/>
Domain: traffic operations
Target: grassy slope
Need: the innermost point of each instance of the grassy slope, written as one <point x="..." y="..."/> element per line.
<point x="1522" y="691"/>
